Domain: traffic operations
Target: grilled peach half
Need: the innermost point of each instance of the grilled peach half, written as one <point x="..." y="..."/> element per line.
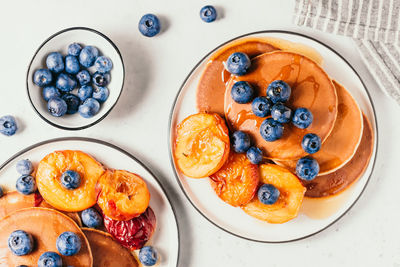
<point x="49" y="172"/>
<point x="122" y="195"/>
<point x="201" y="145"/>
<point x="237" y="180"/>
<point x="291" y="196"/>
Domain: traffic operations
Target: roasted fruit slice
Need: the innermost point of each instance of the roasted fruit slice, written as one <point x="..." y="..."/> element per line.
<point x="290" y="199"/>
<point x="236" y="182"/>
<point x="201" y="145"/>
<point x="132" y="234"/>
<point x="48" y="181"/>
<point x="122" y="195"/>
<point x="105" y="250"/>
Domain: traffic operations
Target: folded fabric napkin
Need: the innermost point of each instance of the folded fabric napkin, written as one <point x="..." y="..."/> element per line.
<point x="373" y="24"/>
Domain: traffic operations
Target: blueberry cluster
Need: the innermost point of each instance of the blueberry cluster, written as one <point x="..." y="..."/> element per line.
<point x="26" y="183"/>
<point x="69" y="87"/>
<point x="273" y="104"/>
<point x="22" y="243"/>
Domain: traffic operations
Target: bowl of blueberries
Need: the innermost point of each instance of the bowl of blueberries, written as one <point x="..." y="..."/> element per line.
<point x="75" y="78"/>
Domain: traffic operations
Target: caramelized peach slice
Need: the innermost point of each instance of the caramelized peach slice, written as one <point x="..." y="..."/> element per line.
<point x="201" y="145"/>
<point x="290" y="199"/>
<point x="237" y="180"/>
<point x="54" y="165"/>
<point x="122" y="195"/>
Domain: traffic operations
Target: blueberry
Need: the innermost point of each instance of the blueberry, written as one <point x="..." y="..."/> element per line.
<point x="26" y="184"/>
<point x="70" y="180"/>
<point x="302" y="118"/>
<point x="72" y="102"/>
<point x="268" y="194"/>
<point x="100" y="79"/>
<point x="261" y="106"/>
<point x="91" y="218"/>
<point x="281" y="113"/>
<point x="307" y="168"/>
<point x="311" y="143"/>
<point x="278" y="91"/>
<point x="85" y="92"/>
<point x="42" y="77"/>
<point x="254" y="154"/>
<point x="1" y="192"/>
<point x="57" y="107"/>
<point x="89" y="108"/>
<point x="208" y="14"/>
<point x="8" y="125"/>
<point x="101" y="94"/>
<point x="50" y="259"/>
<point x="55" y="62"/>
<point x="149" y="25"/>
<point x="271" y="130"/>
<point x="240" y="141"/>
<point x="71" y="64"/>
<point x="65" y="82"/>
<point x="50" y="92"/>
<point x="83" y="77"/>
<point x="88" y="55"/>
<point x="242" y="92"/>
<point x="238" y="63"/>
<point x="20" y="243"/>
<point x="148" y="256"/>
<point x="68" y="244"/>
<point x="103" y="64"/>
<point x="74" y="49"/>
<point x="24" y="167"/>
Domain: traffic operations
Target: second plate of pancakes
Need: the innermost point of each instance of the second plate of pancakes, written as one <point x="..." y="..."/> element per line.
<point x="324" y="82"/>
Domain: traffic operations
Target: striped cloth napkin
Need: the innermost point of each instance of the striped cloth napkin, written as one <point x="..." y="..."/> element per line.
<point x="373" y="24"/>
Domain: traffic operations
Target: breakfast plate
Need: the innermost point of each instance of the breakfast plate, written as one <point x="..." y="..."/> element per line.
<point x="314" y="215"/>
<point x="166" y="235"/>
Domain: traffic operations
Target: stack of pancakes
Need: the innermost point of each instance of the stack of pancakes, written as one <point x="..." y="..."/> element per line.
<point x="346" y="134"/>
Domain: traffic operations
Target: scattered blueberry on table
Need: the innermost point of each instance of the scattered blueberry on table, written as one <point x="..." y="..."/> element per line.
<point x="68" y="243"/>
<point x="149" y="25"/>
<point x="268" y="194"/>
<point x="240" y="141"/>
<point x="50" y="259"/>
<point x="208" y="14"/>
<point x="8" y="125"/>
<point x="20" y="243"/>
<point x="238" y="63"/>
<point x="68" y="82"/>
<point x="148" y="256"/>
<point x="242" y="92"/>
<point x="91" y="218"/>
<point x="307" y="168"/>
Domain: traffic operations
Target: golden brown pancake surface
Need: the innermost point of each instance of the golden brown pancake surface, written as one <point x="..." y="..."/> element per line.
<point x="311" y="88"/>
<point x="211" y="87"/>
<point x="342" y="143"/>
<point x="45" y="225"/>
<point x="13" y="201"/>
<point x="108" y="252"/>
<point x="333" y="183"/>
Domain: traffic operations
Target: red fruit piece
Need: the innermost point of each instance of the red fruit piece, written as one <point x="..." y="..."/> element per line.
<point x="134" y="233"/>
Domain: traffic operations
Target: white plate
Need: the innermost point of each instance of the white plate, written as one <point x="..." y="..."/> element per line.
<point x="166" y="235"/>
<point x="234" y="220"/>
<point x="59" y="42"/>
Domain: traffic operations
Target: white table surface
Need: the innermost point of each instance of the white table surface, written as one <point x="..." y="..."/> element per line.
<point x="155" y="68"/>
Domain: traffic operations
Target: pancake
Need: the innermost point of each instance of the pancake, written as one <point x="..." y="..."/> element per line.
<point x="333" y="183"/>
<point x="13" y="201"/>
<point x="45" y="225"/>
<point x="311" y="88"/>
<point x="211" y="88"/>
<point x="344" y="139"/>
<point x="108" y="252"/>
